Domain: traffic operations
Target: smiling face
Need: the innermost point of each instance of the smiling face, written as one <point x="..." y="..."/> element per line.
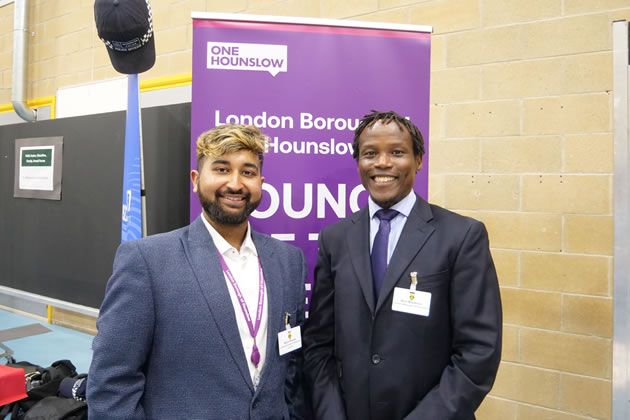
<point x="386" y="163"/>
<point x="229" y="187"/>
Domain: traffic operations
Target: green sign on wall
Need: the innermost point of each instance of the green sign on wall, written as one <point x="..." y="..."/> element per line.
<point x="37" y="157"/>
<point x="38" y="166"/>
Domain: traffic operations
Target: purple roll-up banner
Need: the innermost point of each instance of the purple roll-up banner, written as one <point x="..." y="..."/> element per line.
<point x="306" y="83"/>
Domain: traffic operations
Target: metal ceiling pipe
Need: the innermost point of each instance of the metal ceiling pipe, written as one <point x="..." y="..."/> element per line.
<point x="20" y="54"/>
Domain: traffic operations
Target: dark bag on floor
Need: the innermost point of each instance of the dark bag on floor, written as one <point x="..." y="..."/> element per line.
<point x="43" y="384"/>
<point x="57" y="408"/>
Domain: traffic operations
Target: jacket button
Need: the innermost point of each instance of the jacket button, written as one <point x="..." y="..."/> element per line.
<point x="376" y="359"/>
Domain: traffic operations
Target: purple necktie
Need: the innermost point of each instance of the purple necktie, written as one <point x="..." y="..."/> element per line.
<point x="379" y="249"/>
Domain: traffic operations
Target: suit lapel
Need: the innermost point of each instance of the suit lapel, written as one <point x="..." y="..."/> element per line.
<point x="273" y="283"/>
<point x="358" y="243"/>
<point x="204" y="260"/>
<point x="413" y="237"/>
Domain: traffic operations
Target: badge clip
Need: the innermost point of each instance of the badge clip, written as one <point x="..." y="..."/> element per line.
<point x="414" y="283"/>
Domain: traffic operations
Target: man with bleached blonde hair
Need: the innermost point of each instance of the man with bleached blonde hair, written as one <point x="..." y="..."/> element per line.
<point x="195" y="322"/>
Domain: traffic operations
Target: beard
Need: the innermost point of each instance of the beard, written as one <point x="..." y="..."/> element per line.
<point x="218" y="215"/>
<point x="387" y="204"/>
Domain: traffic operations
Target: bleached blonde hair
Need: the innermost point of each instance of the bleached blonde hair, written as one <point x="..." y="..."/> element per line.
<point x="229" y="138"/>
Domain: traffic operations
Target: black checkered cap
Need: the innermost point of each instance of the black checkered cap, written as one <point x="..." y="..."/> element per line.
<point x="126" y="28"/>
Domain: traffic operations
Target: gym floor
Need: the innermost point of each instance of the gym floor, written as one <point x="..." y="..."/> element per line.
<point x="43" y="347"/>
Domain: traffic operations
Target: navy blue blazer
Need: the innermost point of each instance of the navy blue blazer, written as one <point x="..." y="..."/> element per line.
<point x="364" y="361"/>
<point x="168" y="345"/>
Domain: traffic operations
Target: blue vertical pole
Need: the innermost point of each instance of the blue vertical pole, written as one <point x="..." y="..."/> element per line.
<point x="131" y="226"/>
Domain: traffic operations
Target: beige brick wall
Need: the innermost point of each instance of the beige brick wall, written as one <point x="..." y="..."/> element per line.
<point x="521" y="138"/>
<point x="525" y="143"/>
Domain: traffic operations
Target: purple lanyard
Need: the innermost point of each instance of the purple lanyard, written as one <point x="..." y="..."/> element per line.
<point x="253" y="330"/>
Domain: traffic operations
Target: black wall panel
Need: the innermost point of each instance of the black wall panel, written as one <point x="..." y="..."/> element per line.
<point x="64" y="249"/>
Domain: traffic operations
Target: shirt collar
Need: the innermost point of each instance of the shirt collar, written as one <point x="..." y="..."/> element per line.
<point x="223" y="246"/>
<point x="403" y="207"/>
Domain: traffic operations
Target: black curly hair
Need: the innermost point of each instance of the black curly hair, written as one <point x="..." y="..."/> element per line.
<point x="386" y="117"/>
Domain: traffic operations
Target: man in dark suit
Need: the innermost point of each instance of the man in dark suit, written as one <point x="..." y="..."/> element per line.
<point x="194" y="321"/>
<point x="405" y="318"/>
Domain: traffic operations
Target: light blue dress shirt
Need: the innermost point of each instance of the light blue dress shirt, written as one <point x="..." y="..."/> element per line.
<point x="397" y="224"/>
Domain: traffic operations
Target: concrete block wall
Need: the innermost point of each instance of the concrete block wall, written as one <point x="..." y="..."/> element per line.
<point x="521" y="138"/>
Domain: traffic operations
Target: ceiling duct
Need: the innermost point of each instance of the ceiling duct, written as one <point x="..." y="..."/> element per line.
<point x="20" y="54"/>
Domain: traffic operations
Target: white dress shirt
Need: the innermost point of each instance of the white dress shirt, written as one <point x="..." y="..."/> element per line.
<point x="244" y="267"/>
<point x="396" y="225"/>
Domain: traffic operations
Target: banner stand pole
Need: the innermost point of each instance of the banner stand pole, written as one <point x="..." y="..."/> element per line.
<point x="143" y="196"/>
<point x="621" y="283"/>
<point x="133" y="223"/>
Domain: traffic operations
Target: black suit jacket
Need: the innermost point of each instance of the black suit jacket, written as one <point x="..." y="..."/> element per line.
<point x="365" y="361"/>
